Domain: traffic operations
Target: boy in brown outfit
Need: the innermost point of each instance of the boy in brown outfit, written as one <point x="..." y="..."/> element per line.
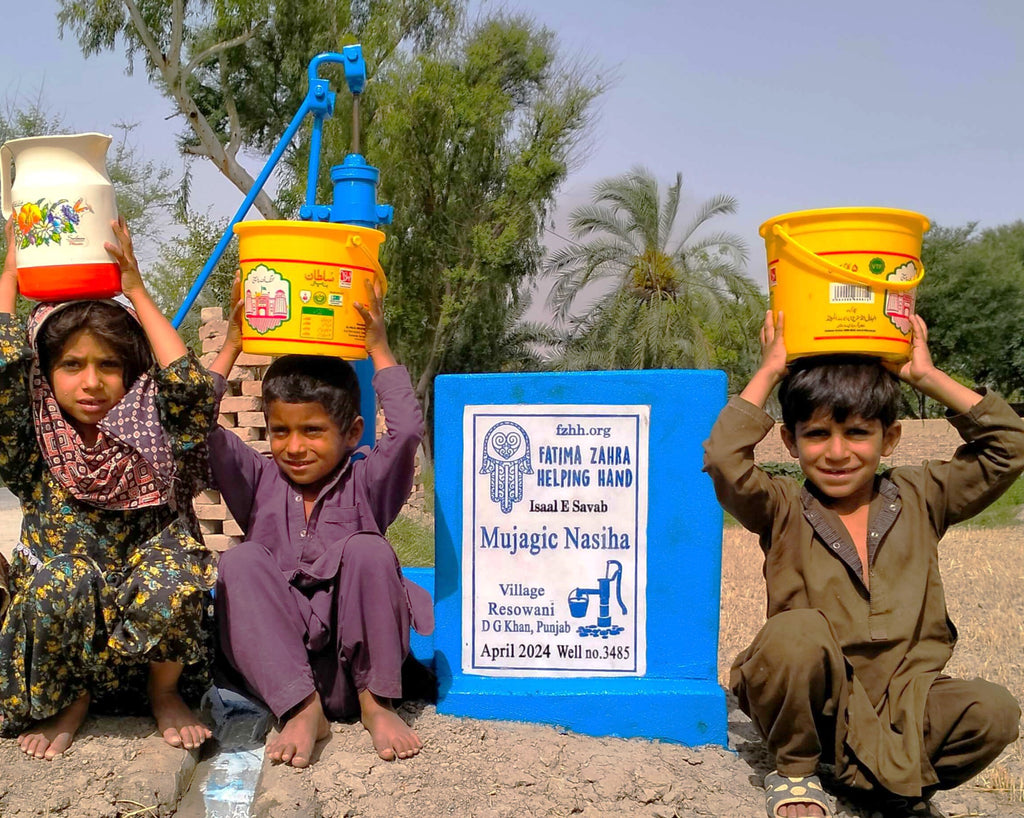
<point x="847" y="670"/>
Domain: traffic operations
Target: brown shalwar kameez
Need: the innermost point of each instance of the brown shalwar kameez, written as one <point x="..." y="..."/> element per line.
<point x="848" y="675"/>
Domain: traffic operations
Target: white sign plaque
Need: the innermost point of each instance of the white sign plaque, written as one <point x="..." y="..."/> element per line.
<point x="555" y="540"/>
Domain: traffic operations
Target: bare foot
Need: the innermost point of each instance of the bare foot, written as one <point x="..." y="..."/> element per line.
<point x="300" y="732"/>
<point x="175" y="720"/>
<point x="392" y="737"/>
<point x="808" y="810"/>
<point x="51" y="737"/>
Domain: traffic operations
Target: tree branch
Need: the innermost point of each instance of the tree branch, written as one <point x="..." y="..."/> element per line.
<point x="149" y="41"/>
<point x="175" y="80"/>
<point x="224" y="45"/>
<point x="177" y="35"/>
<point x="234" y="125"/>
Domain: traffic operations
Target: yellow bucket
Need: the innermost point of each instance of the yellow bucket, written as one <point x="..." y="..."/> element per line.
<point x="299" y="282"/>
<point x="845" y="279"/>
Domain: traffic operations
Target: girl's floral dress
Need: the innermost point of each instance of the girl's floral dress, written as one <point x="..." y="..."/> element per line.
<point x="97" y="594"/>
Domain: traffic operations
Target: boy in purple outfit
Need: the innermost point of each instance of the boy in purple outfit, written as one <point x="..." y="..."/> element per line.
<point x="313" y="613"/>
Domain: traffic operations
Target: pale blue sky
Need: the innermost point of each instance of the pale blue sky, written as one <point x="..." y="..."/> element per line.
<point x="785" y="105"/>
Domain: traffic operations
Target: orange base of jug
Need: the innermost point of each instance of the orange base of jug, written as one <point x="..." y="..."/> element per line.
<point x="70" y="282"/>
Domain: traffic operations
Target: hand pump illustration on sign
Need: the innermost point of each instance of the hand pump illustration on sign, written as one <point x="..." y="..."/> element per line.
<point x="579" y="601"/>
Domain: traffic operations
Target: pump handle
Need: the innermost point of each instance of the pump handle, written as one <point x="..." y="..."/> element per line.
<point x="617" y="576"/>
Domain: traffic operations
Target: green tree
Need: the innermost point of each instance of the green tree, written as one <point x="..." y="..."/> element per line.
<point x="27" y="118"/>
<point x="473" y="124"/>
<point x="473" y="139"/>
<point x="235" y="70"/>
<point x="664" y="296"/>
<point x="972" y="298"/>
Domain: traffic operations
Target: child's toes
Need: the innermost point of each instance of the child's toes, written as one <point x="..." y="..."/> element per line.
<point x="172" y="737"/>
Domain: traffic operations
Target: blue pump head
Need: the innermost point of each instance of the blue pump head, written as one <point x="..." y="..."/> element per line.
<point x="355" y="181"/>
<point x="355" y="196"/>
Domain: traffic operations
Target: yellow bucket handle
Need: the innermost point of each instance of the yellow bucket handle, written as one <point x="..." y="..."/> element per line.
<point x="841" y="272"/>
<point x="357" y="241"/>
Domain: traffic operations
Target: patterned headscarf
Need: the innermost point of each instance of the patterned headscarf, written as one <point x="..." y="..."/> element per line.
<point x="130" y="466"/>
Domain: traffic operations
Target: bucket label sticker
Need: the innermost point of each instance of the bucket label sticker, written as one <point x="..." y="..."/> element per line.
<point x="316" y="324"/>
<point x="267" y="298"/>
<point x="345" y="277"/>
<point x="44" y="222"/>
<point x="555" y="540"/>
<point x="839" y="293"/>
<point x="899" y="306"/>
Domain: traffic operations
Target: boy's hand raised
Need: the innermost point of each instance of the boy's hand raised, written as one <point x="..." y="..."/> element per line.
<point x="773" y="345"/>
<point x="773" y="361"/>
<point x="921" y="373"/>
<point x="234" y="335"/>
<point x="232" y="348"/>
<point x="920" y="367"/>
<point x="372" y="313"/>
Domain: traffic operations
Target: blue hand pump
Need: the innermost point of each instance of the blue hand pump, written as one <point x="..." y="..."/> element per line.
<point x="355" y="188"/>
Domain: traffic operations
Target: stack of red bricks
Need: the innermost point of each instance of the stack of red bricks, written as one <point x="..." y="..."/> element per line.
<point x="241" y="411"/>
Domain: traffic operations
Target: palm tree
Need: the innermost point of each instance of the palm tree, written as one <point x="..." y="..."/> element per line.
<point x="677" y="300"/>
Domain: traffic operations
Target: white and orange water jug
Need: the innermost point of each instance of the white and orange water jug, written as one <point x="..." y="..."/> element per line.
<point x="63" y="203"/>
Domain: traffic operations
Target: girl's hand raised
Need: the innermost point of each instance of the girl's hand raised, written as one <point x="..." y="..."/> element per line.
<point x="131" y="278"/>
<point x="163" y="338"/>
<point x="9" y="277"/>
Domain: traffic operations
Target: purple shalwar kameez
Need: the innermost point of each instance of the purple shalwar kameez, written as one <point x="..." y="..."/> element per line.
<point x="319" y="604"/>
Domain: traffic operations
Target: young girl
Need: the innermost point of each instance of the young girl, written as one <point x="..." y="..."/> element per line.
<point x="109" y="580"/>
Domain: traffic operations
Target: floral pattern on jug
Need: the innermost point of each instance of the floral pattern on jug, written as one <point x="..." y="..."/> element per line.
<point x="42" y="222"/>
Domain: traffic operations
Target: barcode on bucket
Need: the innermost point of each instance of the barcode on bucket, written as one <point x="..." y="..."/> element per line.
<point x="850" y="294"/>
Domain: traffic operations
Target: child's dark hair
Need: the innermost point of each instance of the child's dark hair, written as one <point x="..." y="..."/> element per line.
<point x="841" y="385"/>
<point x="331" y="382"/>
<point x="109" y="323"/>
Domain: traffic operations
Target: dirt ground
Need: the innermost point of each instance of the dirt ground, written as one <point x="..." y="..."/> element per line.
<point x="119" y="767"/>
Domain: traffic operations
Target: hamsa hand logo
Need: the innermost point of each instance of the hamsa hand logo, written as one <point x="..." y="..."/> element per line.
<point x="506" y="457"/>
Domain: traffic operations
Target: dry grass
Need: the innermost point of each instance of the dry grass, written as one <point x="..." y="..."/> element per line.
<point x="983" y="573"/>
